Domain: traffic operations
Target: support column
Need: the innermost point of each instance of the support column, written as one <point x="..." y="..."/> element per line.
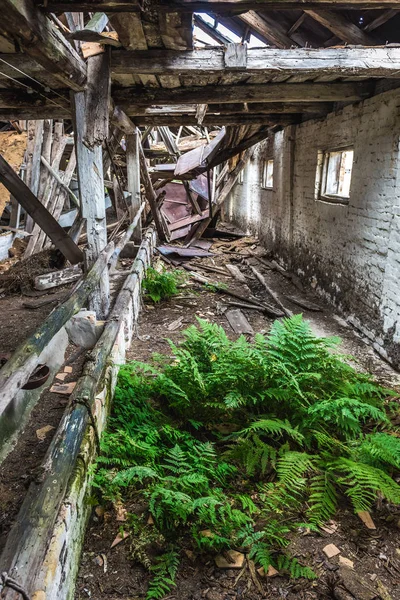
<point x="91" y="191"/>
<point x="133" y="170"/>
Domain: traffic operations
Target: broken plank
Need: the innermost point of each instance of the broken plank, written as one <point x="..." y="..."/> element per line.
<point x="56" y="278"/>
<point x="261" y="279"/>
<point x="238" y="321"/>
<point x="304" y="303"/>
<point x="236" y="272"/>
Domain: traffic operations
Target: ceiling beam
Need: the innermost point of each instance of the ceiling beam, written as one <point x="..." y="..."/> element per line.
<point x="218" y="120"/>
<point x="23" y="22"/>
<point x="381" y="20"/>
<point x="270" y="29"/>
<point x="212" y="6"/>
<point x="269" y="62"/>
<point x="342" y="27"/>
<point x="274" y="92"/>
<point x="230" y="109"/>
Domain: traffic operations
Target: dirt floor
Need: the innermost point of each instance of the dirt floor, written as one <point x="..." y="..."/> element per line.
<point x="108" y="574"/>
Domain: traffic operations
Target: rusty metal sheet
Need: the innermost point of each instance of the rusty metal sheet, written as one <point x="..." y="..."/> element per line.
<point x="200" y="186"/>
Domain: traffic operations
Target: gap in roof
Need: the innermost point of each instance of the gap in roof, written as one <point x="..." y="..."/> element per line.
<point x="203" y="37"/>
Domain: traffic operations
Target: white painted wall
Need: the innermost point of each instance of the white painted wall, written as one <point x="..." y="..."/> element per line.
<point x="349" y="254"/>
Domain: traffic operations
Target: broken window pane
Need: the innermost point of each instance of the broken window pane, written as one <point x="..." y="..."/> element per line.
<point x="337" y="173"/>
<point x="268" y="174"/>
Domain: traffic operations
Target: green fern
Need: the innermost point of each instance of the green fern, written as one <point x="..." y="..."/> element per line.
<point x="164" y="573"/>
<point x="302" y="419"/>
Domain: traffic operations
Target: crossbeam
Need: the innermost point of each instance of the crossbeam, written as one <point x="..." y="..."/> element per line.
<point x="339" y="62"/>
<point x="274" y="92"/>
<point x="213" y="6"/>
<point x="41" y="40"/>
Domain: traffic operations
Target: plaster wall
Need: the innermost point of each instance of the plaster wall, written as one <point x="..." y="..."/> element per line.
<point x="348" y="254"/>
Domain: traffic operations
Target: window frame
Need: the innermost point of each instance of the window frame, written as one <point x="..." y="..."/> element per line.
<point x="322" y="176"/>
<point x="264" y="174"/>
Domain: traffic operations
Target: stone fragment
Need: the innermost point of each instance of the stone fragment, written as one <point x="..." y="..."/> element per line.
<point x="120" y="538"/>
<point x="331" y="550"/>
<point x="67" y="369"/>
<point x="61" y="376"/>
<point x="82" y="329"/>
<point x="346" y="562"/>
<point x="272" y="572"/>
<point x="43" y="431"/>
<point x="234" y="560"/>
<point x="63" y="388"/>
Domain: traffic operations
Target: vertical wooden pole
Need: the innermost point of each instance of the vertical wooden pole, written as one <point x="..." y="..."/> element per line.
<point x="33" y="153"/>
<point x="91" y="191"/>
<point x="133" y="171"/>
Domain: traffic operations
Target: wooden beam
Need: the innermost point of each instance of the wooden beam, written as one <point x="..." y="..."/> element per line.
<point x="97" y="100"/>
<point x="91" y="194"/>
<point x="42" y="40"/>
<point x="342" y="27"/>
<point x="39" y="213"/>
<point x="130" y="30"/>
<point x="219" y="120"/>
<point x="230" y="109"/>
<point x="269" y="28"/>
<point x="274" y="92"/>
<point x="210" y="6"/>
<point x="381" y="20"/>
<point x="269" y="62"/>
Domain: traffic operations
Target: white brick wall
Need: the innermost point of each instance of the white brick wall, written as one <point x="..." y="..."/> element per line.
<point x="350" y="254"/>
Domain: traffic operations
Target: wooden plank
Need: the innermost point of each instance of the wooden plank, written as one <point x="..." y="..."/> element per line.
<point x="56" y="278"/>
<point x="236" y="272"/>
<point x="42" y="40"/>
<point x="33" y="153"/>
<point x="274" y="92"/>
<point x="239" y="322"/>
<point x="342" y="27"/>
<point x="38" y="212"/>
<point x="219" y="6"/>
<point x="340" y="62"/>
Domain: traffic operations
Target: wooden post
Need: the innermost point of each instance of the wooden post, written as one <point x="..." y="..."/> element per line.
<point x="133" y="171"/>
<point x="33" y="153"/>
<point x="91" y="191"/>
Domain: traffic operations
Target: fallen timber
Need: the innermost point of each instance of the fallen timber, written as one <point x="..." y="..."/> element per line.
<point x="43" y="548"/>
<point x="19" y="367"/>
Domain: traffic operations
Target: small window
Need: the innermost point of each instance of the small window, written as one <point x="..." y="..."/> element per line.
<point x="335" y="182"/>
<point x="268" y="174"/>
<point x="241" y="176"/>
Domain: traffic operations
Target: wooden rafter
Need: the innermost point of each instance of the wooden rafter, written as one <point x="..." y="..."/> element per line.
<point x="268" y="28"/>
<point x="40" y="39"/>
<point x="342" y="27"/>
<point x="381" y="19"/>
